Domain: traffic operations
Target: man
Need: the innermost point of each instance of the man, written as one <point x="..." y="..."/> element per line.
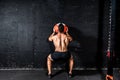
<point x="60" y="41"/>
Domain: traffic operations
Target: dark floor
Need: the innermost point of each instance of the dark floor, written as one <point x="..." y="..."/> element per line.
<point x="58" y="75"/>
<point x="116" y="74"/>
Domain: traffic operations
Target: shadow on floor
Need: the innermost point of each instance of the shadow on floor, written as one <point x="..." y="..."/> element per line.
<point x="80" y="73"/>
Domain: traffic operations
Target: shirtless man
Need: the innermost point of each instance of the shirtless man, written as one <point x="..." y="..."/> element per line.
<point x="60" y="41"/>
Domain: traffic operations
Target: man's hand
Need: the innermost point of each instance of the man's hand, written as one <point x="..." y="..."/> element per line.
<point x="67" y="30"/>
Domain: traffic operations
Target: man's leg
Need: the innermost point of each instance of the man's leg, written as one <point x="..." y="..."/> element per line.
<point x="71" y="62"/>
<point x="49" y="64"/>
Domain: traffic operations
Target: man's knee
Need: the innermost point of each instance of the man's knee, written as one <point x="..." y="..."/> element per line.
<point x="71" y="57"/>
<point x="49" y="57"/>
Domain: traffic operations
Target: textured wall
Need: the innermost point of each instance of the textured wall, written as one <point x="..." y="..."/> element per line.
<point x="26" y="25"/>
<point x="117" y="34"/>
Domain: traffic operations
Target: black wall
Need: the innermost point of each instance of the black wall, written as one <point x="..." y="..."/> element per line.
<point x="117" y="34"/>
<point x="26" y="25"/>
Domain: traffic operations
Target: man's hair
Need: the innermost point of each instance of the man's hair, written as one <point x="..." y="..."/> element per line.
<point x="61" y="28"/>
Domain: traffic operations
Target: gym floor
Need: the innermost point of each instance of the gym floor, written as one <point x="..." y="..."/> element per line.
<point x="57" y="75"/>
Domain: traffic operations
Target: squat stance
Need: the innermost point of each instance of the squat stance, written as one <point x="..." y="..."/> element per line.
<point x="60" y="41"/>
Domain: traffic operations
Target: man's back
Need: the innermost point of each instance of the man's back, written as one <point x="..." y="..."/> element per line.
<point x="60" y="42"/>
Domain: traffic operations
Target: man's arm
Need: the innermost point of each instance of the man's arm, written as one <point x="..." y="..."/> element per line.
<point x="51" y="36"/>
<point x="69" y="37"/>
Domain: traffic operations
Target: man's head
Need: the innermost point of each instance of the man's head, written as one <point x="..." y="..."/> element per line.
<point x="61" y="28"/>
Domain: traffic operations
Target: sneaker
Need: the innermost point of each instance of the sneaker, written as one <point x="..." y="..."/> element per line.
<point x="70" y="75"/>
<point x="49" y="76"/>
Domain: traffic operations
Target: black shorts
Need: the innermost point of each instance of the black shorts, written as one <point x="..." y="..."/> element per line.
<point x="60" y="55"/>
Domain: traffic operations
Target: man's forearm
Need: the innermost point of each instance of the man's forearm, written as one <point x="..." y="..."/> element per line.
<point x="67" y="34"/>
<point x="52" y="34"/>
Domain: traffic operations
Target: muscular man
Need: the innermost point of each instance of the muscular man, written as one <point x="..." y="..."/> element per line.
<point x="60" y="41"/>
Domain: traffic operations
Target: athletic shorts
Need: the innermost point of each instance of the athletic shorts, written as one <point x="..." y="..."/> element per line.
<point x="60" y="56"/>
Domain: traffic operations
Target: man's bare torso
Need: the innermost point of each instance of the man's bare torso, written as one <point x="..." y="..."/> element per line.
<point x="60" y="42"/>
